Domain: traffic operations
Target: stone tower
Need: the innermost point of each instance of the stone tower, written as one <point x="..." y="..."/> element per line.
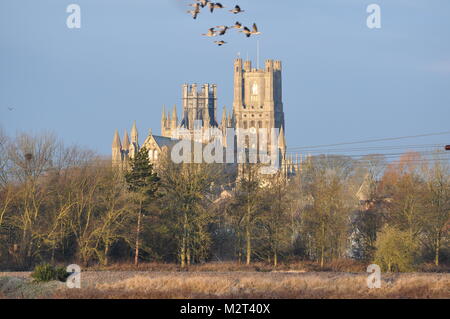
<point x="199" y="106"/>
<point x="257" y="103"/>
<point x="258" y="97"/>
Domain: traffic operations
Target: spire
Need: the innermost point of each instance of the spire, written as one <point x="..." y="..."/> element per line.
<point x="224" y="117"/>
<point x="174" y="117"/>
<point x="116" y="154"/>
<point x="116" y="141"/>
<point x="206" y="118"/>
<point x="232" y="119"/>
<point x="126" y="141"/>
<point x="281" y="140"/>
<point x="163" y="117"/>
<point x="134" y="134"/>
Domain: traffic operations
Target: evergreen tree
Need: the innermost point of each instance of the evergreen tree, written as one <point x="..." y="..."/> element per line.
<point x="143" y="182"/>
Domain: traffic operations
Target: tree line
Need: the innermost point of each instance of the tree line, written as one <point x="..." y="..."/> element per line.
<point x="62" y="204"/>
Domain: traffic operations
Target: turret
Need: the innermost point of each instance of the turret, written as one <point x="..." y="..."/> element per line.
<point x="174" y="123"/>
<point x="163" y="121"/>
<point x="282" y="150"/>
<point x="232" y="120"/>
<point x="134" y="134"/>
<point x="269" y="98"/>
<point x="224" y="122"/>
<point x="125" y="147"/>
<point x="116" y="150"/>
<point x="134" y="147"/>
<point x="248" y="66"/>
<point x="126" y="142"/>
<point x="214" y="104"/>
<point x="277" y="65"/>
<point x="278" y="92"/>
<point x="282" y="140"/>
<point x="282" y="144"/>
<point x="207" y="97"/>
<point x="238" y="84"/>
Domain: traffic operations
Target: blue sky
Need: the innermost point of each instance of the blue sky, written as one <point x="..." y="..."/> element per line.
<point x="342" y="81"/>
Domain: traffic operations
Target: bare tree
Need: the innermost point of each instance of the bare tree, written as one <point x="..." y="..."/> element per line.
<point x="187" y="191"/>
<point x="31" y="157"/>
<point x="437" y="213"/>
<point x="246" y="207"/>
<point x="276" y="215"/>
<point x="325" y="221"/>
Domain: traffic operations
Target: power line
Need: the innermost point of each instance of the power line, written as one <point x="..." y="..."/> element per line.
<point x="375" y="148"/>
<point x="372" y="141"/>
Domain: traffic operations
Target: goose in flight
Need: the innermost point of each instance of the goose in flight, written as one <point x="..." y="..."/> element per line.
<point x="203" y="3"/>
<point x="247" y="32"/>
<point x="195" y="11"/>
<point x="236" y="10"/>
<point x="237" y="25"/>
<point x="220" y="43"/>
<point x="255" y="30"/>
<point x="196" y="6"/>
<point x="223" y="30"/>
<point x="213" y="6"/>
<point x="211" y="33"/>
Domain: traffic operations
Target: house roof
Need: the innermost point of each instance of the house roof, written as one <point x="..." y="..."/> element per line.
<point x="165" y="141"/>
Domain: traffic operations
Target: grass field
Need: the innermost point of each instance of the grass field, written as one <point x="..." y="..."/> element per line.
<point x="195" y="285"/>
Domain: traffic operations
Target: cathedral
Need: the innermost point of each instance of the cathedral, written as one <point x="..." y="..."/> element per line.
<point x="257" y="104"/>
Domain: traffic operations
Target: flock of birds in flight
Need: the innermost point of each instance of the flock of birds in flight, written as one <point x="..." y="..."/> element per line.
<point x="221" y="30"/>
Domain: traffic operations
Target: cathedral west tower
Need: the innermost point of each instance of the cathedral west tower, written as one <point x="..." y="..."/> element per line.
<point x="257" y="99"/>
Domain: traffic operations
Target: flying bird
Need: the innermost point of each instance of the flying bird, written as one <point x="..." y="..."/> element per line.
<point x="10" y="108"/>
<point x="237" y="25"/>
<point x="203" y="3"/>
<point x="255" y="30"/>
<point x="211" y="33"/>
<point x="223" y="30"/>
<point x="195" y="5"/>
<point x="236" y="10"/>
<point x="194" y="13"/>
<point x="247" y="32"/>
<point x="220" y="43"/>
<point x="213" y="6"/>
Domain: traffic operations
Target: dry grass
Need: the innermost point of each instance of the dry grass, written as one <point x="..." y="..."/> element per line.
<point x="25" y="288"/>
<point x="266" y="285"/>
<point x="339" y="279"/>
<point x="339" y="265"/>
